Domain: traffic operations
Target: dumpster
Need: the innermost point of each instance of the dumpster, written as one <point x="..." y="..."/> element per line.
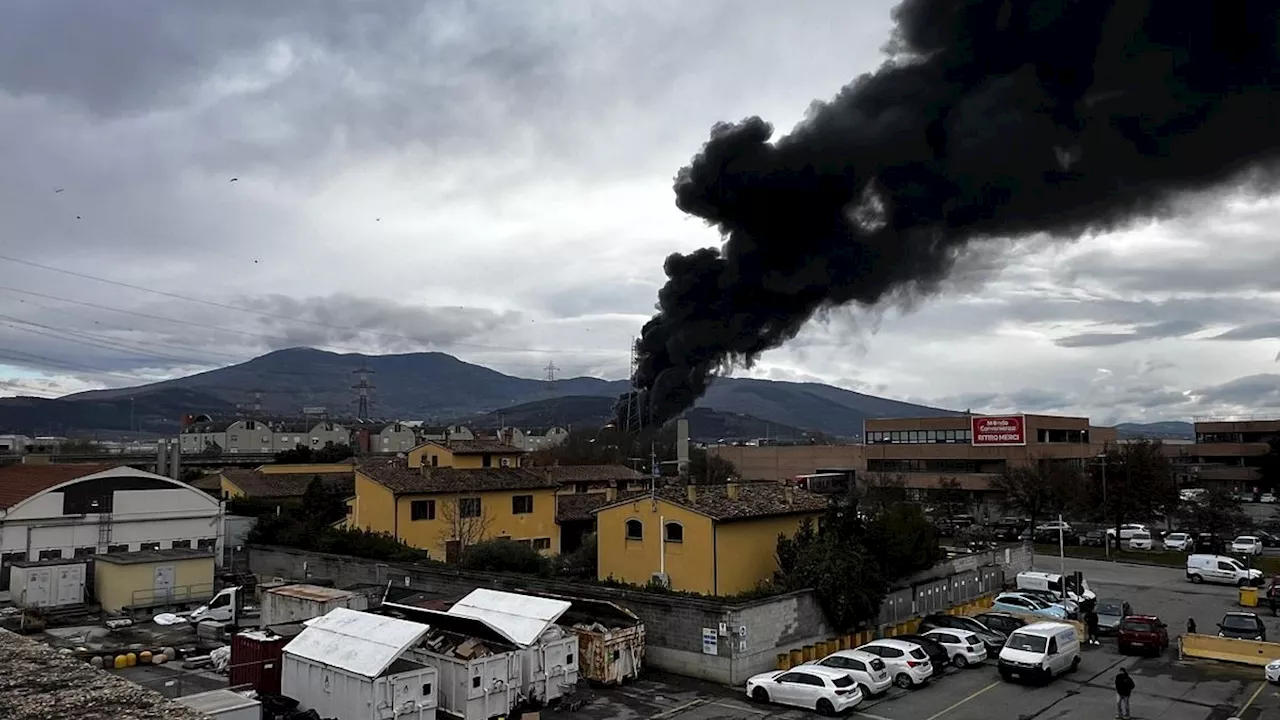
<point x="1249" y="597"/>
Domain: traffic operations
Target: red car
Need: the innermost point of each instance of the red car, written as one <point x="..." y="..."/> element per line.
<point x="1143" y="633"/>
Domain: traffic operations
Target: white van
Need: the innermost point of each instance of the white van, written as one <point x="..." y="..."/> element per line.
<point x="1221" y="569"/>
<point x="1040" y="652"/>
<point x="1052" y="583"/>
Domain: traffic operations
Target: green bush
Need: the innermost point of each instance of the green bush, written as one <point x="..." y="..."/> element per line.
<point x="504" y="555"/>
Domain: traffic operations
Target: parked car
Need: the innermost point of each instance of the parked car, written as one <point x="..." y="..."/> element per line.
<point x="1027" y="605"/>
<point x="907" y="663"/>
<point x="1209" y="543"/>
<point x="867" y="670"/>
<point x="1268" y="497"/>
<point x="1054" y="526"/>
<point x="1140" y="540"/>
<point x="991" y="637"/>
<point x="1247" y="545"/>
<point x="1269" y="539"/>
<point x="939" y="658"/>
<point x="827" y="690"/>
<point x="1272" y="672"/>
<point x="1127" y="530"/>
<point x="1143" y="633"/>
<point x="1040" y="651"/>
<point x="1246" y="626"/>
<point x="1054" y="583"/>
<point x="964" y="647"/>
<point x="1178" y="541"/>
<point x="1221" y="569"/>
<point x="1071" y="606"/>
<point x="1008" y="528"/>
<point x="1001" y="622"/>
<point x="1093" y="538"/>
<point x="1110" y="612"/>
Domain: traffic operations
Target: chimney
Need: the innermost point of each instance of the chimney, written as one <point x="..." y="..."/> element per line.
<point x="731" y="489"/>
<point x="175" y="459"/>
<point x="682" y="447"/>
<point x="162" y="456"/>
<point x="610" y="494"/>
<point x="692" y="493"/>
<point x="788" y="494"/>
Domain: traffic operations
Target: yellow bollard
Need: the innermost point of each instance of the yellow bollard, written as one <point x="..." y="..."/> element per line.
<point x="784" y="661"/>
<point x="844" y="642"/>
<point x="131" y="659"/>
<point x="809" y="653"/>
<point x="145" y="657"/>
<point x="121" y="662"/>
<point x="797" y="657"/>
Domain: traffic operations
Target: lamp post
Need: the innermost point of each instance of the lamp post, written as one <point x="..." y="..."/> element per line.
<point x="1101" y="461"/>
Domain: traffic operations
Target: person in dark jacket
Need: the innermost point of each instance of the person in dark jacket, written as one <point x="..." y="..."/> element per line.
<point x="1191" y="626"/>
<point x="1124" y="688"/>
<point x="1091" y="621"/>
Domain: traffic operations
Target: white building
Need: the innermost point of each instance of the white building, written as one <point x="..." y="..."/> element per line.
<point x="393" y="437"/>
<point x="534" y="438"/>
<point x="68" y="511"/>
<point x="252" y="436"/>
<point x="14" y="444"/>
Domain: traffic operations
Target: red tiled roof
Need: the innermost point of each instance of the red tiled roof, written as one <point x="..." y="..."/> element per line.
<point x="590" y="473"/>
<point x="755" y="500"/>
<point x="19" y="482"/>
<point x="400" y="479"/>
<point x="256" y="484"/>
<point x="475" y="447"/>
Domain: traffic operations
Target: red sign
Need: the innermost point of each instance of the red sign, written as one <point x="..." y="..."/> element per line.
<point x="998" y="430"/>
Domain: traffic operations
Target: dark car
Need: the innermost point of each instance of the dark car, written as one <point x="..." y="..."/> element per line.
<point x="938" y="655"/>
<point x="1210" y="544"/>
<point x="1008" y="529"/>
<point x="1111" y="611"/>
<point x="1093" y="538"/>
<point x="1245" y="626"/>
<point x="1000" y="622"/>
<point x="993" y="639"/>
<point x="1268" y="539"/>
<point x="1143" y="633"/>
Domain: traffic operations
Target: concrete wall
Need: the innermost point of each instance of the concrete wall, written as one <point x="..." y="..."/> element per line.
<point x="674" y="625"/>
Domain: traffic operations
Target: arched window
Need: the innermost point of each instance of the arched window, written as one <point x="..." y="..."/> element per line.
<point x="635" y="529"/>
<point x="675" y="532"/>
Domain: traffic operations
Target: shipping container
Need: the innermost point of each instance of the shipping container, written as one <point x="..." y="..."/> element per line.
<point x="256" y="657"/>
<point x="298" y="603"/>
<point x="352" y="665"/>
<point x="47" y="583"/>
<point x="610" y="640"/>
<point x="223" y="705"/>
<point x="549" y="655"/>
<point x="479" y="670"/>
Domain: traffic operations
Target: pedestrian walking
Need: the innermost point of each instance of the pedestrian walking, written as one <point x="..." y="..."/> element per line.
<point x="1091" y="621"/>
<point x="1124" y="688"/>
<point x="1191" y="626"/>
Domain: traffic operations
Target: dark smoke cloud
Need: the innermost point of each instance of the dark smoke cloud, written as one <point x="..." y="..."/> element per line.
<point x="992" y="119"/>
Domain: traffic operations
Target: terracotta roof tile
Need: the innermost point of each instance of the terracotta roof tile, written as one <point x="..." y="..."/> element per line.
<point x="256" y="484"/>
<point x="398" y="478"/>
<point x="19" y="482"/>
<point x="762" y="499"/>
<point x="472" y="447"/>
<point x="579" y="506"/>
<point x="590" y="473"/>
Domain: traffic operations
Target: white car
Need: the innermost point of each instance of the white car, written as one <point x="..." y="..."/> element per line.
<point x="1181" y="542"/>
<point x="907" y="662"/>
<point x="1268" y="497"/>
<point x="963" y="647"/>
<point x="1054" y="526"/>
<point x="1273" y="671"/>
<point x="1140" y="540"/>
<point x="827" y="690"/>
<point x="1127" y="530"/>
<point x="867" y="670"/>
<point x="1246" y="545"/>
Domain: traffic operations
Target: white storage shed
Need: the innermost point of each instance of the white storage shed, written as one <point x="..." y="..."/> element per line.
<point x="350" y="664"/>
<point x="52" y="583"/>
<point x="223" y="704"/>
<point x="549" y="654"/>
<point x="479" y="669"/>
<point x="301" y="602"/>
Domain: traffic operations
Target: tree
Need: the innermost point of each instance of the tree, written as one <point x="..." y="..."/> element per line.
<point x="330" y="453"/>
<point x="1139" y="484"/>
<point x="504" y="555"/>
<point x="903" y="540"/>
<point x="1217" y="511"/>
<point x="880" y="491"/>
<point x="465" y="522"/>
<point x="836" y="564"/>
<point x="322" y="505"/>
<point x="951" y="497"/>
<point x="708" y="469"/>
<point x="609" y="446"/>
<point x="1038" y="490"/>
<point x="1269" y="467"/>
<point x="583" y="562"/>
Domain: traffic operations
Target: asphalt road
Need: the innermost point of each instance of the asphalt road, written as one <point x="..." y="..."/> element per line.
<point x="1167" y="689"/>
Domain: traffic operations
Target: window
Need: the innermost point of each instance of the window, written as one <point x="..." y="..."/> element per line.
<point x="81" y="504"/>
<point x="542" y="543"/>
<point x="675" y="532"/>
<point x="469" y="507"/>
<point x="526" y="542"/>
<point x="580" y="487"/>
<point x="521" y="504"/>
<point x="422" y="510"/>
<point x="635" y="530"/>
<point x="149" y="546"/>
<point x="181" y="543"/>
<point x="207" y="543"/>
<point x="426" y="690"/>
<point x="435" y="461"/>
<point x="568" y="659"/>
<point x="50" y="555"/>
<point x="475" y="681"/>
<point x="122" y="547"/>
<point x="486" y="460"/>
<point x="85" y="551"/>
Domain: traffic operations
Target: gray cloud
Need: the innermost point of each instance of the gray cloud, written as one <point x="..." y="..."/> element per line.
<point x="1259" y="391"/>
<point x="1157" y="331"/>
<point x="1252" y="331"/>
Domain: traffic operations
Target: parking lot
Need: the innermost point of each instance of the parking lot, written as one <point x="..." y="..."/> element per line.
<point x="1167" y="688"/>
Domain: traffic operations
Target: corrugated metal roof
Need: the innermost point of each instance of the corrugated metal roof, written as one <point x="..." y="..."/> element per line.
<point x="358" y="642"/>
<point x="521" y="618"/>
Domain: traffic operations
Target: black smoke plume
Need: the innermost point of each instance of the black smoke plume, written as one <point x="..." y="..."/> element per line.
<point x="991" y="118"/>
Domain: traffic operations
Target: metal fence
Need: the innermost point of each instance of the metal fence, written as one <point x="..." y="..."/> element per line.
<point x="171" y="596"/>
<point x="939" y="595"/>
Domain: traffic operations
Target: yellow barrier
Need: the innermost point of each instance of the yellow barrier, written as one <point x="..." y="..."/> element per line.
<point x="1211" y="647"/>
<point x="784" y="661"/>
<point x="797" y="657"/>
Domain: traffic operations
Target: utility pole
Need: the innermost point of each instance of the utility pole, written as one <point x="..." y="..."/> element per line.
<point x="363" y="386"/>
<point x="551" y="375"/>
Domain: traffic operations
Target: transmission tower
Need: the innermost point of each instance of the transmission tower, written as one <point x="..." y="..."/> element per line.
<point x="631" y="376"/>
<point x="363" y="387"/>
<point x="551" y="375"/>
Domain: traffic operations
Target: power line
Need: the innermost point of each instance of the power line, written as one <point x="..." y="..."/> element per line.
<point x="286" y="318"/>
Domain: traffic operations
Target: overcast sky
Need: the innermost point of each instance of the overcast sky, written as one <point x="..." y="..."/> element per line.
<point x="493" y="180"/>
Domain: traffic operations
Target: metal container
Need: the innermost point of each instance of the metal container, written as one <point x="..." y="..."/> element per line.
<point x="549" y="667"/>
<point x="610" y="656"/>
<point x="223" y="705"/>
<point x="298" y="603"/>
<point x="47" y="583"/>
<point x="256" y="658"/>
<point x="476" y="689"/>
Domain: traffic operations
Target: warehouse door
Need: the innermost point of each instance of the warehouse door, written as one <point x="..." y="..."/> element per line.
<point x="39" y="592"/>
<point x="163" y="585"/>
<point x="70" y="585"/>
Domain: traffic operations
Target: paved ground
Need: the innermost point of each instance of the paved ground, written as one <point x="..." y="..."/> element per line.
<point x="1167" y="688"/>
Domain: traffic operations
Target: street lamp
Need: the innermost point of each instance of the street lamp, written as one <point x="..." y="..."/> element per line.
<point x="1100" y="460"/>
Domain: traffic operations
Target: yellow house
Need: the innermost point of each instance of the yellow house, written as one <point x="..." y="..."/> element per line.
<point x="709" y="539"/>
<point x="465" y="454"/>
<point x="152" y="578"/>
<point x="444" y="509"/>
<point x="262" y="485"/>
<point x="313" y="468"/>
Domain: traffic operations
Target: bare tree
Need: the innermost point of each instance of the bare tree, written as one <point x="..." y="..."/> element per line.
<point x="465" y="522"/>
<point x="1038" y="489"/>
<point x="879" y="491"/>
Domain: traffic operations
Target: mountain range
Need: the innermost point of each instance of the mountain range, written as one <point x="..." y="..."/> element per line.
<point x="439" y="388"/>
<point x="1172" y="430"/>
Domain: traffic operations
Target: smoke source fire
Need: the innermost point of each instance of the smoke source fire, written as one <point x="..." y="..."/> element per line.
<point x="992" y="118"/>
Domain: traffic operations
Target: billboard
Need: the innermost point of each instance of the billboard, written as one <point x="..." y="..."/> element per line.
<point x="995" y="430"/>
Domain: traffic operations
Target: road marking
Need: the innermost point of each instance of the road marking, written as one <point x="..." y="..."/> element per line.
<point x="1253" y="697"/>
<point x="869" y="716"/>
<point x="937" y="715"/>
<point x="677" y="710"/>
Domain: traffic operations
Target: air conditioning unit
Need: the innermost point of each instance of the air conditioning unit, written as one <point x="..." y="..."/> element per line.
<point x="505" y="462"/>
<point x="660" y="579"/>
